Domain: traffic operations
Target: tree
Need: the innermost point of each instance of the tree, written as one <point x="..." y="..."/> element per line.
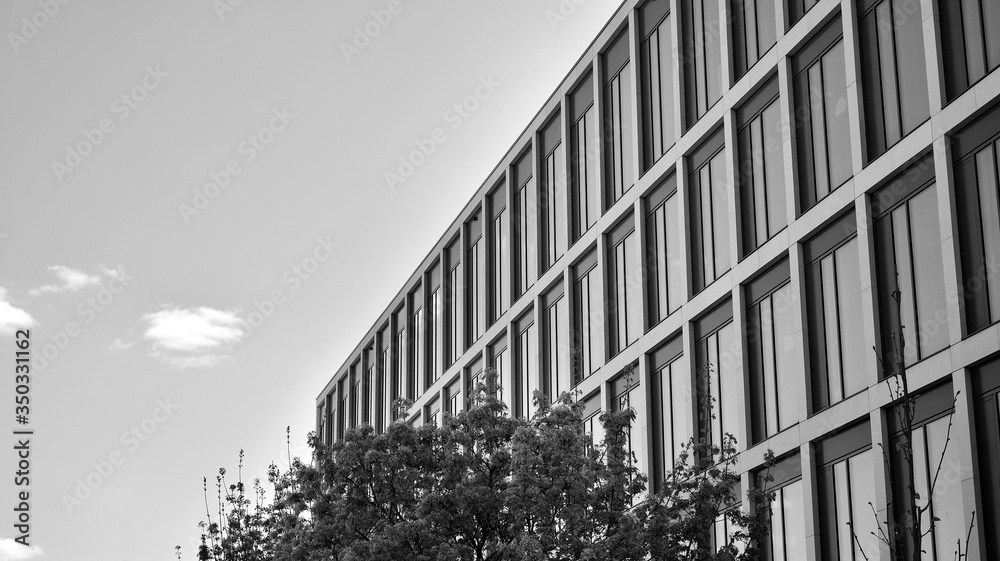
<point x="904" y="535"/>
<point x="483" y="486"/>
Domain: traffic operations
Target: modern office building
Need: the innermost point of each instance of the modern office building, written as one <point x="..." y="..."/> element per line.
<point x="741" y="184"/>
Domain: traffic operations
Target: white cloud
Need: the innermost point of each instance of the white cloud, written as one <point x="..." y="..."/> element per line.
<point x="10" y="550"/>
<point x="119" y="345"/>
<point x="70" y="280"/>
<point x="12" y="318"/>
<point x="193" y="337"/>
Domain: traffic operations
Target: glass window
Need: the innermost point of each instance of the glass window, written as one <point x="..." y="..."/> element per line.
<point x="525" y="213"/>
<point x="435" y="326"/>
<point x="453" y="299"/>
<point x="893" y="70"/>
<point x="475" y="279"/>
<point x="626" y="392"/>
<point x="787" y="538"/>
<point x="969" y="51"/>
<point x="592" y="426"/>
<point x="584" y="142"/>
<point x="977" y="153"/>
<point x="554" y="341"/>
<point x="619" y="142"/>
<point x="822" y="125"/>
<point x="774" y="353"/>
<point x="418" y="330"/>
<point x="986" y="386"/>
<point x="659" y="121"/>
<point x="453" y="393"/>
<point x="908" y="246"/>
<point x="368" y="386"/>
<point x="624" y="285"/>
<point x="664" y="256"/>
<point x="702" y="58"/>
<point x="755" y="31"/>
<point x="356" y="395"/>
<point x="553" y="171"/>
<point x="833" y="291"/>
<point x="432" y="412"/>
<point x="499" y="252"/>
<point x="525" y="359"/>
<point x="709" y="195"/>
<point x="932" y="415"/>
<point x="382" y="368"/>
<point x="763" y="193"/>
<point x="399" y="345"/>
<point x="588" y="313"/>
<point x="500" y="363"/>
<point x="671" y="390"/>
<point x="718" y="357"/>
<point x="343" y="390"/>
<point x="845" y="483"/>
<point x="474" y="375"/>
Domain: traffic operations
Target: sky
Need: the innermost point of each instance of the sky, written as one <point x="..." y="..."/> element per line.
<point x="199" y="221"/>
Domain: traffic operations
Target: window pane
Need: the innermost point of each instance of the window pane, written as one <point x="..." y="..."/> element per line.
<point x="912" y="70"/>
<point x="666" y="111"/>
<point x="887" y="57"/>
<point x="837" y="122"/>
<point x="831" y="333"/>
<point x="675" y="256"/>
<point x="720" y="215"/>
<point x="862" y="476"/>
<point x="986" y="171"/>
<point x="853" y="349"/>
<point x="927" y="262"/>
<point x="974" y="49"/>
<point x="713" y="52"/>
<point x="794" y="521"/>
<point x="768" y="374"/>
<point x="818" y="124"/>
<point x="904" y="283"/>
<point x="777" y="197"/>
<point x="729" y="360"/>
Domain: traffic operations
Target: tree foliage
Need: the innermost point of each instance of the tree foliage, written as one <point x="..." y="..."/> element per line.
<point x="485" y="486"/>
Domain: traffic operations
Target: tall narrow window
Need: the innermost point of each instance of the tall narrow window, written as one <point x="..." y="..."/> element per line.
<point x="659" y="103"/>
<point x="435" y="326"/>
<point x="382" y="368"/>
<point x="787" y="539"/>
<point x="823" y="133"/>
<point x="775" y="351"/>
<point x="343" y="390"/>
<point x="400" y="352"/>
<point x="368" y="386"/>
<point x="418" y="339"/>
<point x="453" y="393"/>
<point x="977" y="153"/>
<point x="619" y="141"/>
<point x="932" y="417"/>
<point x="432" y="412"/>
<point x="525" y="226"/>
<point x="475" y="279"/>
<point x="584" y="139"/>
<point x="664" y="257"/>
<point x="893" y="70"/>
<point x="718" y="356"/>
<point x="499" y="252"/>
<point x="626" y="392"/>
<point x="833" y="292"/>
<point x="554" y="203"/>
<point x="970" y="46"/>
<point x="499" y="354"/>
<point x="908" y="246"/>
<point x="755" y="31"/>
<point x="702" y="57"/>
<point x="763" y="193"/>
<point x="986" y="386"/>
<point x="709" y="195"/>
<point x="453" y="302"/>
<point x="356" y="393"/>
<point x="329" y="414"/>
<point x="845" y="482"/>
<point x="474" y="375"/>
<point x="671" y="391"/>
<point x="555" y="349"/>
<point x="525" y="371"/>
<point x="592" y="426"/>
<point x="624" y="285"/>
<point x="588" y="322"/>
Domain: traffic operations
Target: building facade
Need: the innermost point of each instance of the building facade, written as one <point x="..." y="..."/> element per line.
<point x="723" y="197"/>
